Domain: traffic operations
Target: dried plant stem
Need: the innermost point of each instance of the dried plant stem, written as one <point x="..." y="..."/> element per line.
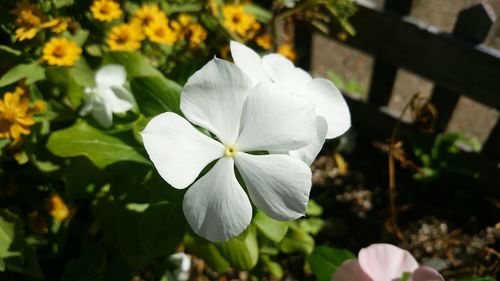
<point x="392" y="172"/>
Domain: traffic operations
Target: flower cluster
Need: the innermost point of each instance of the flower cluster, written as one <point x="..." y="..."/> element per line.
<point x="266" y="118"/>
<point x="30" y="20"/>
<point x="150" y="22"/>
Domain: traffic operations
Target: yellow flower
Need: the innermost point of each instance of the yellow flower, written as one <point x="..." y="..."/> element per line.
<point x="28" y="21"/>
<point x="239" y="21"/>
<point x="57" y="208"/>
<point x="23" y="33"/>
<point x="61" y="52"/>
<point x="39" y="106"/>
<point x="265" y="41"/>
<point x="56" y="25"/>
<point x="28" y="18"/>
<point x="105" y="10"/>
<point x="184" y="20"/>
<point x="125" y="37"/>
<point x="147" y="14"/>
<point x="287" y="51"/>
<point x="166" y="32"/>
<point x="196" y="34"/>
<point x="15" y="116"/>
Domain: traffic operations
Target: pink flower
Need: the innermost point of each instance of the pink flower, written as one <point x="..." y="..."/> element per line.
<point x="384" y="262"/>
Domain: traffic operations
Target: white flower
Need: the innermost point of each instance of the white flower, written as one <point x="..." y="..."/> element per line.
<point x="183" y="263"/>
<point x="333" y="117"/>
<point x="243" y="119"/>
<point x="109" y="96"/>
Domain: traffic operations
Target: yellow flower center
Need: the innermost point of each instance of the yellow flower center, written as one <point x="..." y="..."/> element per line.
<point x="59" y="51"/>
<point x="123" y="37"/>
<point x="236" y="18"/>
<point x="160" y="32"/>
<point x="230" y="150"/>
<point x="106" y="8"/>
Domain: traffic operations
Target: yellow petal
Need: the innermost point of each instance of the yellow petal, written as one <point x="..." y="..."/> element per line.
<point x="15" y="131"/>
<point x="27" y="121"/>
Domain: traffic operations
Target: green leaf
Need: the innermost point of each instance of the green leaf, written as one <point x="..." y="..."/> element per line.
<point x="84" y="140"/>
<point x="62" y="3"/>
<point x="144" y="236"/>
<point x="273" y="267"/>
<point x="32" y="72"/>
<point x="7" y="234"/>
<point x="79" y="37"/>
<point x="208" y="252"/>
<point x="297" y="240"/>
<point x="260" y="13"/>
<point x="82" y="73"/>
<point x="324" y="261"/>
<point x="156" y="94"/>
<point x="312" y="225"/>
<point x="270" y="228"/>
<point x="136" y="64"/>
<point x="313" y="209"/>
<point x="95" y="262"/>
<point x="242" y="254"/>
<point x="20" y="257"/>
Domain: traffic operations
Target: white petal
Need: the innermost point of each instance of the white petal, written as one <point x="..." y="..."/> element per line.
<point x="178" y="150"/>
<point x="350" y="271"/>
<point x="102" y="113"/>
<point x="329" y="104"/>
<point x="275" y="120"/>
<point x="278" y="184"/>
<point x="213" y="98"/>
<point x="183" y="263"/>
<point x="111" y="75"/>
<point x="248" y="61"/>
<point x="284" y="73"/>
<point x="384" y="262"/>
<point x="116" y="97"/>
<point x="124" y="97"/>
<point x="308" y="153"/>
<point x="87" y="105"/>
<point x="216" y="206"/>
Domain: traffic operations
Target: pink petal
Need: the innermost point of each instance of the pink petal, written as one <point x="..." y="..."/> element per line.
<point x="350" y="271"/>
<point x="383" y="262"/>
<point x="425" y="273"/>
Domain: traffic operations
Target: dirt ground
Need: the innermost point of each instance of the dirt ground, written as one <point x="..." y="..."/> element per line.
<point x="470" y="117"/>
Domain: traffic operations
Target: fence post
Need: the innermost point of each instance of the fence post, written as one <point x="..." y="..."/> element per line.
<point x="384" y="74"/>
<point x="473" y="24"/>
<point x="303" y="44"/>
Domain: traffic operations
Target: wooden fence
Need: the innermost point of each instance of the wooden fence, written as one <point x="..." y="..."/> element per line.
<point x="458" y="64"/>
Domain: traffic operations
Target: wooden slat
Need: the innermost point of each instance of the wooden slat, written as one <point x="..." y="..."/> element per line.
<point x="491" y="147"/>
<point x="454" y="64"/>
<point x="384" y="74"/>
<point x="376" y="124"/>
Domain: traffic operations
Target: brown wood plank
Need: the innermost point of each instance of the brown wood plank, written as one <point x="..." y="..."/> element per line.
<point x="455" y="64"/>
